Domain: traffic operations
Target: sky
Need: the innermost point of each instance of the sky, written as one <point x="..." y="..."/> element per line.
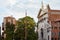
<point x="17" y="8"/>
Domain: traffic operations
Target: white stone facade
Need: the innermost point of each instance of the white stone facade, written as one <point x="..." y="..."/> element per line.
<point x="44" y="25"/>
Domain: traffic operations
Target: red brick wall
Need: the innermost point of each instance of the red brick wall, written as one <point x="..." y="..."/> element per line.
<point x="54" y="18"/>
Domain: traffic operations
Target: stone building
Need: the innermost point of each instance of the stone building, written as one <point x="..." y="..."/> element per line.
<point x="9" y="19"/>
<point x="44" y="28"/>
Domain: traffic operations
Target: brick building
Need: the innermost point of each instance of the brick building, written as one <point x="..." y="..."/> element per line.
<point x="54" y="20"/>
<point x="9" y="19"/>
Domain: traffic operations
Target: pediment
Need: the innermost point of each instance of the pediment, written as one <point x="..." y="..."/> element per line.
<point x="41" y="13"/>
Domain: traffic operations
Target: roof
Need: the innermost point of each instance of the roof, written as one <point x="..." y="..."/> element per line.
<point x="9" y="17"/>
<point x="48" y="7"/>
<point x="54" y="10"/>
<point x="39" y="12"/>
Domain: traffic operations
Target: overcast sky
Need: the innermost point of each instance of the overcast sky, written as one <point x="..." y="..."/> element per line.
<point x="17" y="7"/>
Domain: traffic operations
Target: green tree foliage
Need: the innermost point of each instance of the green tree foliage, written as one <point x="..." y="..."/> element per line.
<point x="30" y="24"/>
<point x="9" y="31"/>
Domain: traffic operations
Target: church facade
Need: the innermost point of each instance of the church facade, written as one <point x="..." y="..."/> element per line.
<point x="44" y="28"/>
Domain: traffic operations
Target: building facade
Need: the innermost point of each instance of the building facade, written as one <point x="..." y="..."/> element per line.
<point x="9" y="19"/>
<point x="44" y="28"/>
<point x="0" y="32"/>
<point x="48" y="24"/>
<point x="54" y="20"/>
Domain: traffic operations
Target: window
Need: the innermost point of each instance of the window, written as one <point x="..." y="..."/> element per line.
<point x="59" y="34"/>
<point x="53" y="34"/>
<point x="52" y="38"/>
<point x="58" y="38"/>
<point x="59" y="27"/>
<point x="55" y="38"/>
<point x="52" y="27"/>
<point x="55" y="27"/>
<point x="48" y="37"/>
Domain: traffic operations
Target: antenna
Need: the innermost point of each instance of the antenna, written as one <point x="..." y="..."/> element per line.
<point x="42" y="4"/>
<point x="25" y="12"/>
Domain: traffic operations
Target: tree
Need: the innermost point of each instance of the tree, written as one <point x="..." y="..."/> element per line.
<point x="10" y="27"/>
<point x="26" y="29"/>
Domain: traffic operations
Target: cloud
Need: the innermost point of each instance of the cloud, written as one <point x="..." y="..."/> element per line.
<point x="17" y="14"/>
<point x="3" y="3"/>
<point x="21" y="6"/>
<point x="35" y="1"/>
<point x="32" y="6"/>
<point x="55" y="1"/>
<point x="17" y="7"/>
<point x="12" y="2"/>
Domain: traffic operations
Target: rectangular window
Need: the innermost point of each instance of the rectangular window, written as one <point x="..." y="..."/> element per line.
<point x="55" y="27"/>
<point x="55" y="38"/>
<point x="59" y="34"/>
<point x="59" y="27"/>
<point x="52" y="38"/>
<point x="53" y="34"/>
<point x="52" y="27"/>
<point x="58" y="38"/>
